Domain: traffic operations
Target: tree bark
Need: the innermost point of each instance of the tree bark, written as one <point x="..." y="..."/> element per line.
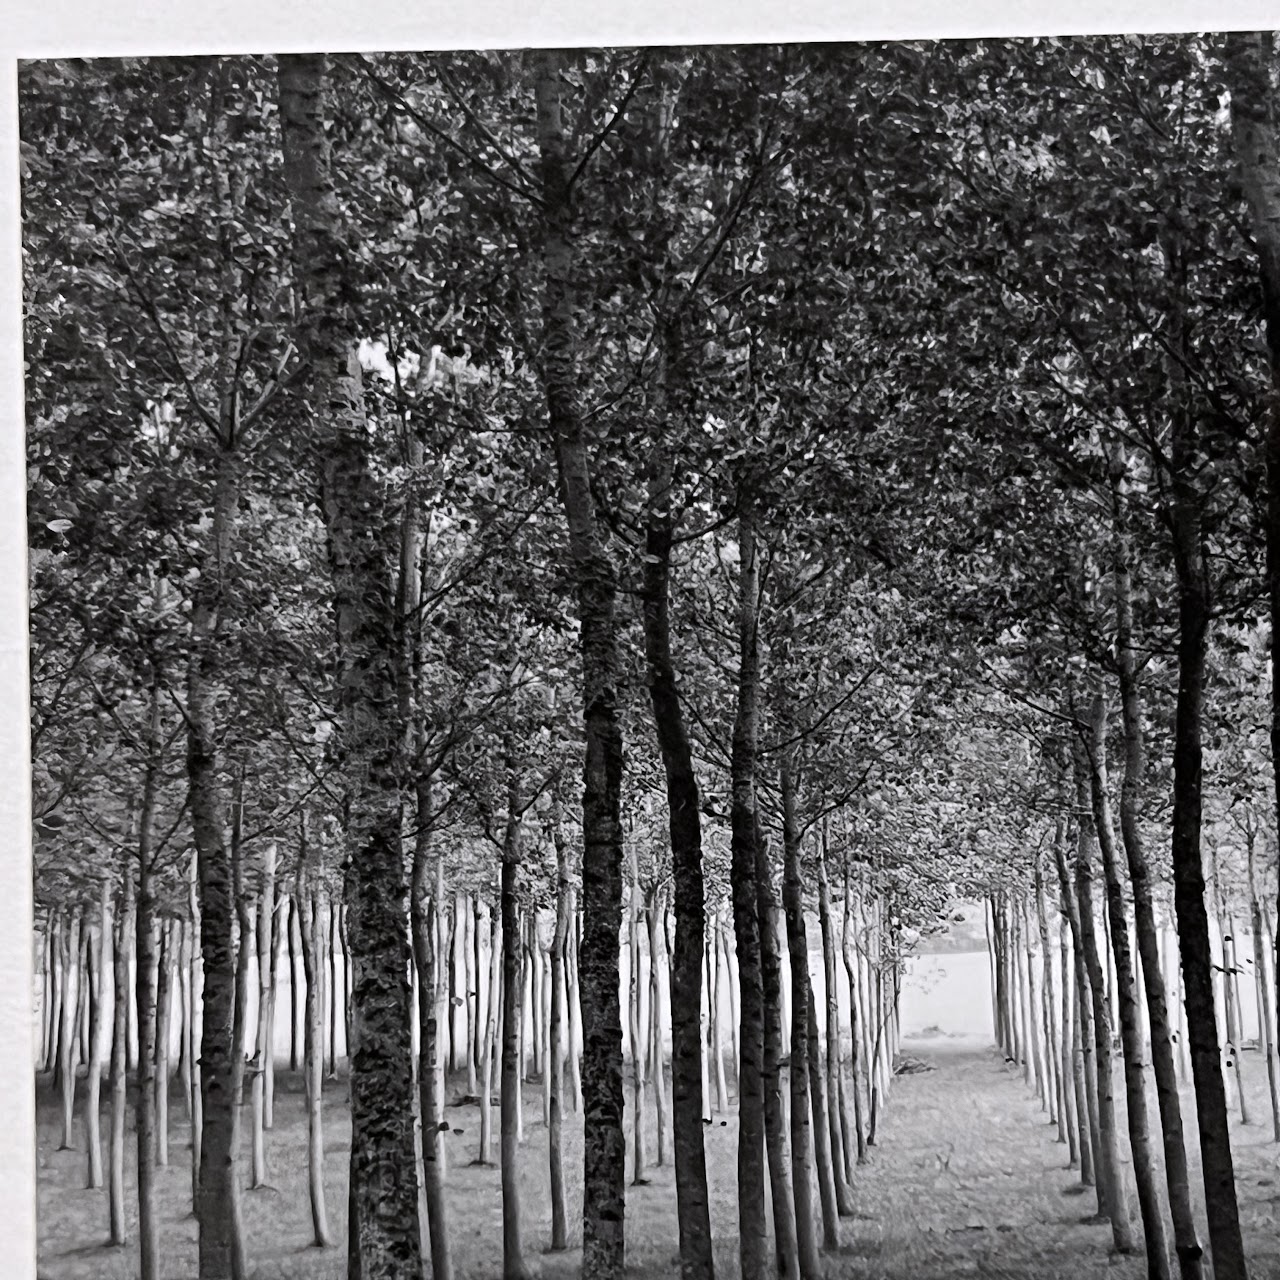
<point x="119" y="1059"/>
<point x="309" y="937"/>
<point x="1177" y="1179"/>
<point x="604" y="1143"/>
<point x="1225" y="1241"/>
<point x="555" y="1142"/>
<point x="424" y="911"/>
<point x="1144" y="1163"/>
<point x="513" y="1263"/>
<point x="753" y="1251"/>
<point x="1113" y="1193"/>
<point x="776" y="1146"/>
<point x="100" y="960"/>
<point x="1251" y="66"/>
<point x="384" y="1187"/>
<point x="802" y="1162"/>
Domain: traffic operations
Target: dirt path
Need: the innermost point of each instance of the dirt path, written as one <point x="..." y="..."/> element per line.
<point x="968" y="1179"/>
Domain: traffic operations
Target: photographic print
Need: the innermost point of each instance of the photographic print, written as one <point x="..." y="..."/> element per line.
<point x="655" y="661"/>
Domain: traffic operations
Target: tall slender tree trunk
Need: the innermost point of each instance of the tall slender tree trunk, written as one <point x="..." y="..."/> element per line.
<point x="101" y="960"/>
<point x="1177" y="1179"/>
<point x="309" y="937"/>
<point x="490" y="1049"/>
<point x="146" y="980"/>
<point x="119" y="1059"/>
<point x="639" y="1151"/>
<point x="604" y="1143"/>
<point x="68" y="1038"/>
<point x="1144" y="1163"/>
<point x="776" y="1145"/>
<point x="384" y="1228"/>
<point x="1086" y="1075"/>
<point x="166" y="970"/>
<point x="424" y="909"/>
<point x="802" y="1162"/>
<point x="753" y="1250"/>
<point x="1110" y="1172"/>
<point x="1225" y="1240"/>
<point x="555" y="1139"/>
<point x="513" y="1263"/>
<point x="1251" y="63"/>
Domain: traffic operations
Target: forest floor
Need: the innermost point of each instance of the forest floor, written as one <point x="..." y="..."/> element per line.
<point x="966" y="1179"/>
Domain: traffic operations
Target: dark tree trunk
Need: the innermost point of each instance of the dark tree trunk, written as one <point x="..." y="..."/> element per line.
<point x="775" y="1130"/>
<point x="384" y="1185"/>
<point x="802" y="1162"/>
<point x="1177" y="1179"/>
<point x="1218" y="1167"/>
<point x="604" y="1142"/>
<point x="425" y="915"/>
<point x="513" y="1263"/>
<point x="753" y="1240"/>
<point x="1251" y="75"/>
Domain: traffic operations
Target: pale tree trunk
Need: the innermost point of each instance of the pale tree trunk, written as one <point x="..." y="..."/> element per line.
<point x="260" y="923"/>
<point x="1091" y="1172"/>
<point x="513" y="1263"/>
<point x="424" y="905"/>
<point x="119" y="1059"/>
<point x="559" y="939"/>
<point x="1263" y="986"/>
<point x="167" y="970"/>
<point x="655" y="913"/>
<point x="279" y="921"/>
<point x="293" y="943"/>
<point x="706" y="1028"/>
<point x="822" y="1155"/>
<point x="146" y="980"/>
<point x="802" y="1162"/>
<point x="1053" y="1041"/>
<point x="195" y="1029"/>
<point x="1144" y="1163"/>
<point x="384" y="1229"/>
<point x="639" y="1154"/>
<point x="837" y="1095"/>
<point x="69" y="1036"/>
<point x="478" y="1014"/>
<point x="1113" y="1194"/>
<point x="848" y="953"/>
<point x="719" y="962"/>
<point x="310" y="939"/>
<point x="776" y="1145"/>
<point x="490" y="1039"/>
<point x="101" y="960"/>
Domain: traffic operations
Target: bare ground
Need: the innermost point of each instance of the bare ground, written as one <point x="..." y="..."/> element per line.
<point x="967" y="1179"/>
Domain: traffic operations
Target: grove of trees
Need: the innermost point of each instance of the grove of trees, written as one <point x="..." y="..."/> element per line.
<point x="565" y="566"/>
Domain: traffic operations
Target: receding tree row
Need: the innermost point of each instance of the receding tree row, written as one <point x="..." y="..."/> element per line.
<point x="106" y="997"/>
<point x="561" y="569"/>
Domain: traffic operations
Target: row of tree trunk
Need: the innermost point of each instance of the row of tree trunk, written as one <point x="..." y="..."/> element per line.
<point x="106" y="996"/>
<point x="1069" y="980"/>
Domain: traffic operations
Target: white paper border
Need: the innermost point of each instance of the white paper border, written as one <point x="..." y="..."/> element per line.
<point x="84" y="28"/>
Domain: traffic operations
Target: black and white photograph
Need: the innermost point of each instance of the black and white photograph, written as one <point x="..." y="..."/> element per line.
<point x="652" y="660"/>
